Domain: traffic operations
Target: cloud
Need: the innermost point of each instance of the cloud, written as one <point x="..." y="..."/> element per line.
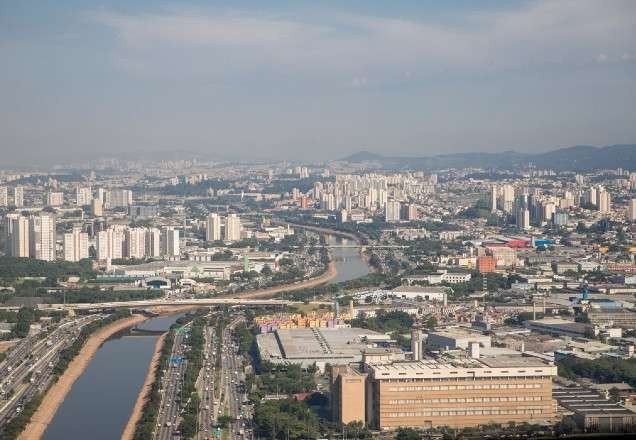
<point x="226" y="43"/>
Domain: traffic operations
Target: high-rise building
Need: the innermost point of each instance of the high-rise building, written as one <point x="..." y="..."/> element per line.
<point x="631" y="210"/>
<point x="42" y="237"/>
<point x="171" y="242"/>
<point x="213" y="229"/>
<point x="135" y="243"/>
<point x="118" y="198"/>
<point x="603" y="201"/>
<point x="17" y="235"/>
<point x="83" y="195"/>
<point x="54" y="198"/>
<point x="75" y="245"/>
<point x="508" y="198"/>
<point x="392" y="211"/>
<point x="232" y="228"/>
<point x="153" y="242"/>
<point x="97" y="207"/>
<point x="110" y="243"/>
<point x="493" y="198"/>
<point x="409" y="212"/>
<point x="4" y="196"/>
<point x="18" y="196"/>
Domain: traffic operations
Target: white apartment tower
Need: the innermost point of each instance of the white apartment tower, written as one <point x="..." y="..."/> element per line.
<point x="171" y="242"/>
<point x="42" y="237"/>
<point x="631" y="210"/>
<point x="232" y="228"/>
<point x="83" y="195"/>
<point x="4" y="196"/>
<point x="213" y="230"/>
<point x="18" y="196"/>
<point x="75" y="245"/>
<point x="135" y="242"/>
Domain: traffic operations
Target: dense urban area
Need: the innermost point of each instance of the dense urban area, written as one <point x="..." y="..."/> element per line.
<point x="350" y="299"/>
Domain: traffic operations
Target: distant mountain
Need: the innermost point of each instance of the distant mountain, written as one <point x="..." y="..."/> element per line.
<point x="577" y="158"/>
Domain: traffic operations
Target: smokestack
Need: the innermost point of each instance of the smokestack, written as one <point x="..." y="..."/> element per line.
<point x="416" y="344"/>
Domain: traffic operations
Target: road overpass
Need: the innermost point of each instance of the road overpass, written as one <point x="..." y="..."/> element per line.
<point x="200" y="302"/>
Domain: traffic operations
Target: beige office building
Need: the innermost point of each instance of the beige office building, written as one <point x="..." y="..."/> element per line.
<point x="452" y="392"/>
<point x="348" y="387"/>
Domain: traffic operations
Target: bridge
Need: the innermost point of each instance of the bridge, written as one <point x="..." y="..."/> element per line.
<point x="200" y="302"/>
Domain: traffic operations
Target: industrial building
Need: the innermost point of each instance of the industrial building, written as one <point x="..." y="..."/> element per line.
<point x="456" y="391"/>
<point x="321" y="346"/>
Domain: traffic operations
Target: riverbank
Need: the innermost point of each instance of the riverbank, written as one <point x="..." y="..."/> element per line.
<point x="325" y="277"/>
<point x="56" y="394"/>
<point x="135" y="416"/>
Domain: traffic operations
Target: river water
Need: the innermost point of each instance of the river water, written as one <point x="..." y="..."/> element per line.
<point x="349" y="263"/>
<point x="101" y="400"/>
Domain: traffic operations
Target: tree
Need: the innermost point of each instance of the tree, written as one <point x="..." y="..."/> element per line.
<point x="407" y="434"/>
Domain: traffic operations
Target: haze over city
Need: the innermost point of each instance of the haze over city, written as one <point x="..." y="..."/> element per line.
<point x="333" y="220"/>
<point x="250" y="80"/>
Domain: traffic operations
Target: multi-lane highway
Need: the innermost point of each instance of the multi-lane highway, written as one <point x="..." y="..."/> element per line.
<point x="172" y="380"/>
<point x="28" y="368"/>
<point x="205" y="387"/>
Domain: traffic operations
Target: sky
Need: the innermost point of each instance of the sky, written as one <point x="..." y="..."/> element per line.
<point x="312" y="80"/>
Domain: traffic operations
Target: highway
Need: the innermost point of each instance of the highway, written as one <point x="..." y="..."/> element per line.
<point x="28" y="368"/>
<point x="205" y="386"/>
<point x="168" y="419"/>
<point x="232" y="383"/>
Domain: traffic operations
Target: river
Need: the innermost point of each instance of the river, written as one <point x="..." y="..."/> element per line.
<point x="349" y="263"/>
<point x="101" y="401"/>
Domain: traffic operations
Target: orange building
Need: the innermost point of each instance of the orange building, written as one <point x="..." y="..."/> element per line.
<point x="486" y="264"/>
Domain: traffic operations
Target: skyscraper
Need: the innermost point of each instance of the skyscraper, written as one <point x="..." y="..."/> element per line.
<point x="42" y="237"/>
<point x="213" y="230"/>
<point x="153" y="242"/>
<point x="493" y="198"/>
<point x="392" y="211"/>
<point x="17" y="235"/>
<point x="75" y="245"/>
<point x="4" y="196"/>
<point x="232" y="228"/>
<point x="135" y="242"/>
<point x="18" y="196"/>
<point x="83" y="195"/>
<point x="631" y="210"/>
<point x="171" y="242"/>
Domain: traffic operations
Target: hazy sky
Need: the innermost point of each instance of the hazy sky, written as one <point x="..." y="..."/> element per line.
<point x="313" y="79"/>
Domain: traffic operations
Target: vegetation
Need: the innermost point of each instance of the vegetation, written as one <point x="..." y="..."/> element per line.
<point x="285" y="419"/>
<point x="146" y="424"/>
<point x="386" y="322"/>
<point x="603" y="370"/>
<point x="194" y="362"/>
<point x="12" y="268"/>
<point x="285" y="379"/>
<point x="87" y="295"/>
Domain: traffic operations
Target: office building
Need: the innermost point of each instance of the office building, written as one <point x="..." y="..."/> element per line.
<point x="75" y="245"/>
<point x="348" y="394"/>
<point x="42" y="237"/>
<point x="18" y="196"/>
<point x="213" y="229"/>
<point x="457" y="391"/>
<point x="232" y="228"/>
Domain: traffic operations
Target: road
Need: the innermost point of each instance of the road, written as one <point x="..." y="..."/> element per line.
<point x="28" y="368"/>
<point x="168" y="419"/>
<point x="205" y="386"/>
<point x="232" y="384"/>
